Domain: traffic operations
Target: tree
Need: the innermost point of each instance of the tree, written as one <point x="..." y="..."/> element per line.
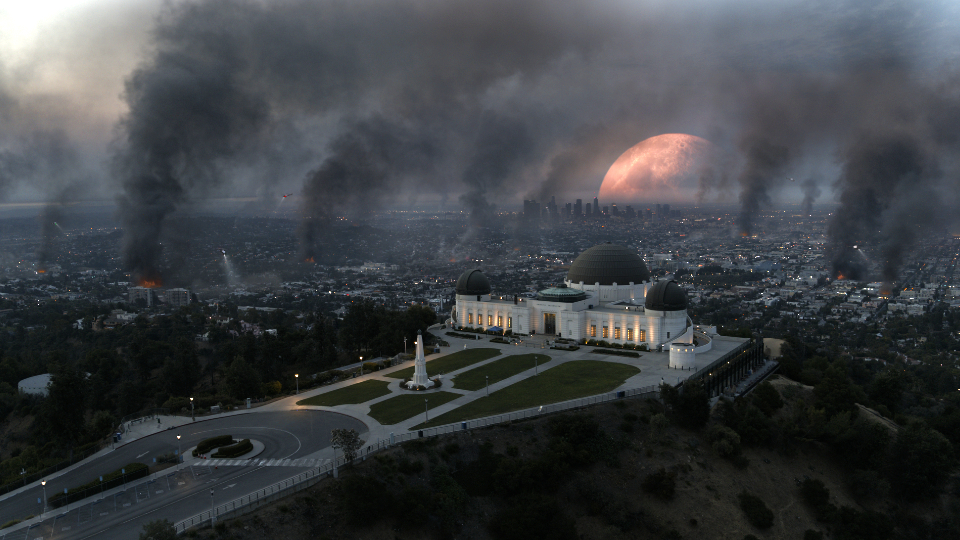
<point x="241" y="380"/>
<point x="347" y="441"/>
<point x="63" y="410"/>
<point x="920" y="462"/>
<point x="767" y="399"/>
<point x="161" y="529"/>
<point x="691" y="407"/>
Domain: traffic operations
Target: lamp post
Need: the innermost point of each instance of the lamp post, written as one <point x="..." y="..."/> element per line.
<point x="296" y="377"/>
<point x="179" y="453"/>
<point x="44" y="484"/>
<point x="211" y="508"/>
<point x="193" y="417"/>
<point x="404" y="346"/>
<point x="361" y="366"/>
<point x="488" y="385"/>
<point x="536" y="365"/>
<point x="426" y="411"/>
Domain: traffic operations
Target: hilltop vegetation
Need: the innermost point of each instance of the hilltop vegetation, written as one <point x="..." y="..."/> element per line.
<point x="787" y="462"/>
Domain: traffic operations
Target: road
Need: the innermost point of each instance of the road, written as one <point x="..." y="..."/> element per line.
<point x="296" y="436"/>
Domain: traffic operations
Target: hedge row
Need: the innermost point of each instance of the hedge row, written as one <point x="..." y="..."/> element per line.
<point x="616" y="352"/>
<point x="238" y="449"/>
<point x="207" y="445"/>
<point x="111" y="480"/>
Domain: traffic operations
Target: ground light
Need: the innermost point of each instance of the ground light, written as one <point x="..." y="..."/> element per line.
<point x="296" y="377"/>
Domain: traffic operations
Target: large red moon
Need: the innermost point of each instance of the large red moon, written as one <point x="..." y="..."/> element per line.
<point x="662" y="168"/>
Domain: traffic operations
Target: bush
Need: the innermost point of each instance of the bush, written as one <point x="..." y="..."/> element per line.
<point x="110" y="480"/>
<point x="238" y="449"/>
<point x="661" y="484"/>
<point x="207" y="445"/>
<point x="725" y="441"/>
<point x="811" y="534"/>
<point x="272" y="388"/>
<point x="817" y="497"/>
<point x="533" y="517"/>
<point x="616" y="352"/>
<point x="757" y="512"/>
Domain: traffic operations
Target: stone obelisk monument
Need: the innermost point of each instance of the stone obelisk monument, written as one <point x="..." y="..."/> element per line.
<point x="420" y="367"/>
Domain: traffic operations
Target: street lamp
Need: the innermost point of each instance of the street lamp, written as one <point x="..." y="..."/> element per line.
<point x="361" y="366"/>
<point x="536" y="365"/>
<point x="296" y="377"/>
<point x="488" y="385"/>
<point x="44" y="484"/>
<point x="211" y="508"/>
<point x="193" y="417"/>
<point x="426" y="411"/>
<point x="404" y="346"/>
<point x="179" y="453"/>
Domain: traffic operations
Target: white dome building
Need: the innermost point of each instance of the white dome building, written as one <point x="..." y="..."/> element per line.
<point x="608" y="296"/>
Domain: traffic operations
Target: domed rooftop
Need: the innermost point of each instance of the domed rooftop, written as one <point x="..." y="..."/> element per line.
<point x="473" y="282"/>
<point x="608" y="264"/>
<point x="562" y="294"/>
<point x="666" y="296"/>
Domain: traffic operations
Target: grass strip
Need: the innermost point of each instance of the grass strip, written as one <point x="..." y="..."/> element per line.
<point x="617" y="352"/>
<point x="498" y="370"/>
<point x="348" y="395"/>
<point x="394" y="410"/>
<point x="567" y="381"/>
<point x="449" y="363"/>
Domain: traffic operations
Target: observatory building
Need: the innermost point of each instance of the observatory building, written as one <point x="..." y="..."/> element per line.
<point x="607" y="296"/>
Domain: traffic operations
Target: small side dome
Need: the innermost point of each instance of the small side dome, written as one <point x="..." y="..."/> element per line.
<point x="473" y="282"/>
<point x="666" y="296"/>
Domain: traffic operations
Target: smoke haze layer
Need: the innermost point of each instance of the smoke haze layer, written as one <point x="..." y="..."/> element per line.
<point x="360" y="104"/>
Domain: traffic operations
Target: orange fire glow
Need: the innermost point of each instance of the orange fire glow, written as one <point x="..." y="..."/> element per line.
<point x="309" y="260"/>
<point x="150" y="283"/>
<point x="41" y="271"/>
<point x="841" y="276"/>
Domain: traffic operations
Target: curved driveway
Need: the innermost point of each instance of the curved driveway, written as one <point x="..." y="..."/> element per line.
<point x="285" y="435"/>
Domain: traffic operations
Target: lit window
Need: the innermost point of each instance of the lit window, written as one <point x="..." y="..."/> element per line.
<point x="643" y="335"/>
<point x="616" y="332"/>
<point x="469" y="318"/>
<point x="606" y="332"/>
<point x="489" y="320"/>
<point x="509" y="322"/>
<point x="500" y="321"/>
<point x="593" y="330"/>
<point x="629" y="334"/>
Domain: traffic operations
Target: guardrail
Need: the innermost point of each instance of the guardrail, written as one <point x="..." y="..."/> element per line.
<point x="143" y="415"/>
<point x="252" y="501"/>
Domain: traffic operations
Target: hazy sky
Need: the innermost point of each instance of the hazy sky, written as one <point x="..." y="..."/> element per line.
<point x="591" y="78"/>
<point x="161" y="104"/>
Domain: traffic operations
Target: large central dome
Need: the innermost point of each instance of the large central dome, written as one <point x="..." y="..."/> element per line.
<point x="608" y="264"/>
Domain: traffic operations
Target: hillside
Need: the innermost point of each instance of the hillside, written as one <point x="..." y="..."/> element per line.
<point x="615" y="471"/>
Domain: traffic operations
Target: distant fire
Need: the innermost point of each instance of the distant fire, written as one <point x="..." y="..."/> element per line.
<point x="41" y="271"/>
<point x="841" y="276"/>
<point x="309" y="260"/>
<point x="744" y="234"/>
<point x="885" y="289"/>
<point x="150" y="283"/>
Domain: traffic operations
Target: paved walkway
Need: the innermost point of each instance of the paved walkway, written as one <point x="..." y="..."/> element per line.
<point x="654" y="369"/>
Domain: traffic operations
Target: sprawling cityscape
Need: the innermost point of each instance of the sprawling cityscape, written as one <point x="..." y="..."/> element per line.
<point x="499" y="270"/>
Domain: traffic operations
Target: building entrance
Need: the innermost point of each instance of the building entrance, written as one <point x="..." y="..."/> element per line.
<point x="550" y="323"/>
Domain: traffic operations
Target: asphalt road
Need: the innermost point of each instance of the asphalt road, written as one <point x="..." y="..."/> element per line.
<point x="176" y="495"/>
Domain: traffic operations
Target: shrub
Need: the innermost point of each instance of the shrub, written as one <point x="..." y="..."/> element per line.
<point x="661" y="484"/>
<point x="817" y="497"/>
<point x="238" y="449"/>
<point x="756" y="511"/>
<point x="272" y="388"/>
<point x="207" y="445"/>
<point x="725" y="441"/>
<point x="533" y="517"/>
<point x="811" y="534"/>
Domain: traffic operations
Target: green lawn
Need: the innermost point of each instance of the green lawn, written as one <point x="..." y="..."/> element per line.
<point x="448" y="363"/>
<point x="498" y="370"/>
<point x="355" y="393"/>
<point x="572" y="380"/>
<point x="393" y="410"/>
